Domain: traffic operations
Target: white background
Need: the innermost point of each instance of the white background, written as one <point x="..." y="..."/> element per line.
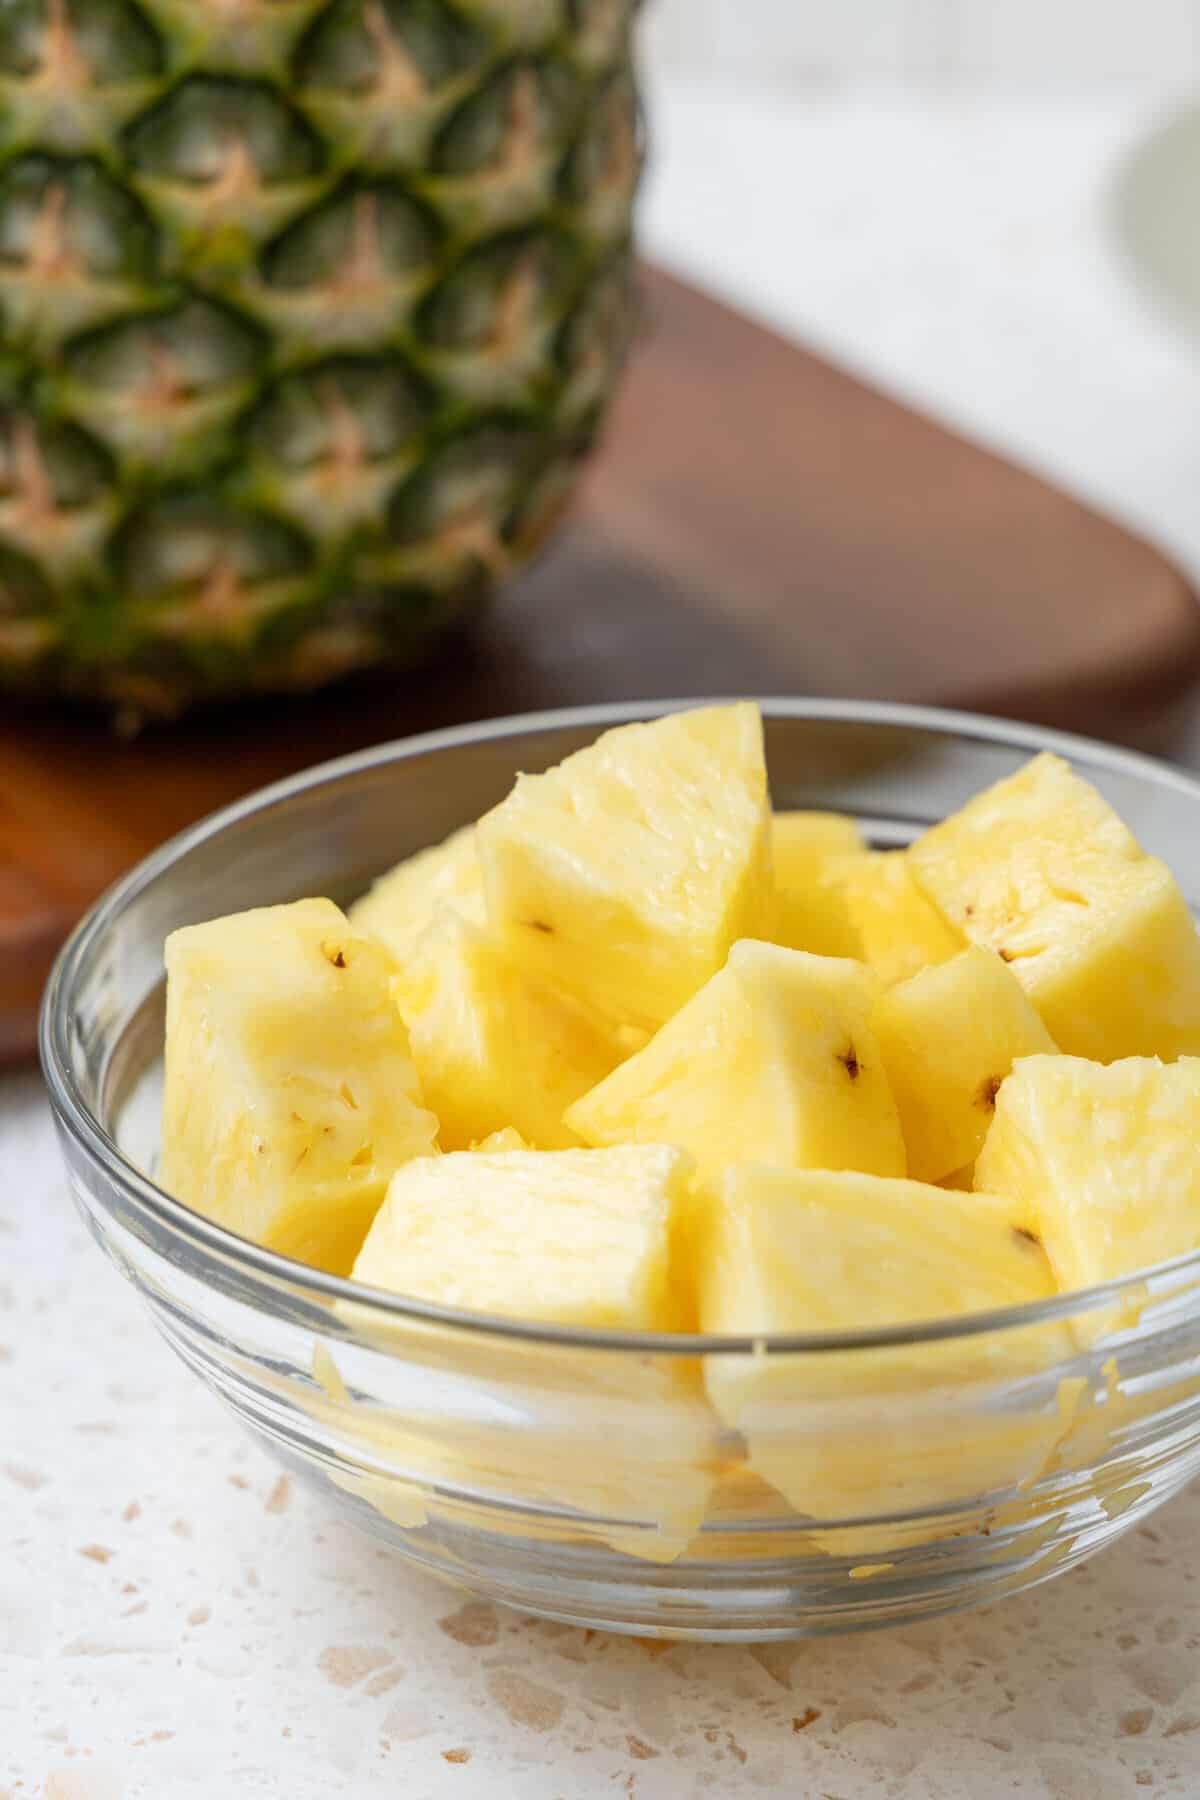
<point x="924" y="189"/>
<point x="805" y="42"/>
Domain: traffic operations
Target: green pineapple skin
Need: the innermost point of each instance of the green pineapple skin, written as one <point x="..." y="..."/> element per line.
<point x="309" y="312"/>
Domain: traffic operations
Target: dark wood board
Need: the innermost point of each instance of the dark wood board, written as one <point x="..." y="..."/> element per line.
<point x="758" y="521"/>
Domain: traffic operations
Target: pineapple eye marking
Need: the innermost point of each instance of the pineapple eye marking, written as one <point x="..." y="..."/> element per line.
<point x="1025" y="954"/>
<point x="540" y="925"/>
<point x="851" y="1064"/>
<point x="1068" y="896"/>
<point x="1025" y="1236"/>
<point x="988" y="1092"/>
<point x="334" y="954"/>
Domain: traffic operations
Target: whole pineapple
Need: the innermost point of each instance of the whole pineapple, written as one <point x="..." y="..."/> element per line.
<point x="308" y="312"/>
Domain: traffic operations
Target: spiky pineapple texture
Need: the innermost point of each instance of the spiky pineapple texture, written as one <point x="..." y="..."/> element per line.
<point x="308" y="312"/>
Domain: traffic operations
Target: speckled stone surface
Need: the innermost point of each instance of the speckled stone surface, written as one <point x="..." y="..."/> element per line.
<point x="178" y="1619"/>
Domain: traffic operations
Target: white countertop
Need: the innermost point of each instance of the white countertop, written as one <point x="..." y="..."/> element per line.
<point x="176" y="1620"/>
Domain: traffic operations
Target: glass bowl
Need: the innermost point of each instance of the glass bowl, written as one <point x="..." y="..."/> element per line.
<point x="578" y="1474"/>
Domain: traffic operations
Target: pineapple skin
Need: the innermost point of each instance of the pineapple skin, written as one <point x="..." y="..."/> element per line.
<point x="309" y="312"/>
<point x="290" y="1095"/>
<point x="1103" y="1160"/>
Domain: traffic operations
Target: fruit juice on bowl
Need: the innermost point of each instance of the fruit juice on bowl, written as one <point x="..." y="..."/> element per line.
<point x="662" y="1208"/>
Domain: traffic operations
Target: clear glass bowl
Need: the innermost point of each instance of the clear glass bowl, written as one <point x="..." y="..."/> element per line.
<point x="581" y="1475"/>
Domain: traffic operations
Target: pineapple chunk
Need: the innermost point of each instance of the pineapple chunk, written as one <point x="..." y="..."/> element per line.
<point x="773" y="1059"/>
<point x="402" y="904"/>
<point x="1040" y="869"/>
<point x="1102" y="1159"/>
<point x="949" y="1035"/>
<point x="505" y="1139"/>
<point x="804" y="842"/>
<point x="850" y="1434"/>
<point x="810" y="905"/>
<point x="624" y="874"/>
<point x="291" y="1097"/>
<point x="494" y="1046"/>
<point x="624" y="1445"/>
<point x="580" y="1446"/>
<point x="567" y="1237"/>
<point x="899" y="930"/>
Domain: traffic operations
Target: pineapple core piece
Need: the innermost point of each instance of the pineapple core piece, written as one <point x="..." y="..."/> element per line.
<point x="1103" y="1159"/>
<point x="494" y="1046"/>
<point x="402" y="904"/>
<point x="949" y="1035"/>
<point x="624" y="874"/>
<point x="1040" y="869"/>
<point x="291" y="1097"/>
<point x="773" y="1059"/>
<point x="900" y="932"/>
<point x="625" y="1444"/>
<point x="810" y="905"/>
<point x="855" y="1433"/>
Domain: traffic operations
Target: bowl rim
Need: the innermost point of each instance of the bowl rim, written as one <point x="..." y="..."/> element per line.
<point x="76" y="1118"/>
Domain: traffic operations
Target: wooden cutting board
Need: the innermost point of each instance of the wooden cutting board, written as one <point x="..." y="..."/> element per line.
<point x="758" y="521"/>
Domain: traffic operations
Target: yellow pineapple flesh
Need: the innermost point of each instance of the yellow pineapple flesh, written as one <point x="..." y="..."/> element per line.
<point x="402" y="904"/>
<point x="625" y="1444"/>
<point x="493" y="1045"/>
<point x="291" y="1097"/>
<point x="852" y="1434"/>
<point x="899" y="930"/>
<point x="949" y="1036"/>
<point x="507" y="1138"/>
<point x="1040" y="869"/>
<point x="774" y="1058"/>
<point x="1102" y="1158"/>
<point x="625" y="874"/>
<point x="566" y="1237"/>
<point x="810" y="905"/>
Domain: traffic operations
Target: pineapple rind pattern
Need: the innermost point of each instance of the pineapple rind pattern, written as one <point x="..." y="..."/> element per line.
<point x="309" y="311"/>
